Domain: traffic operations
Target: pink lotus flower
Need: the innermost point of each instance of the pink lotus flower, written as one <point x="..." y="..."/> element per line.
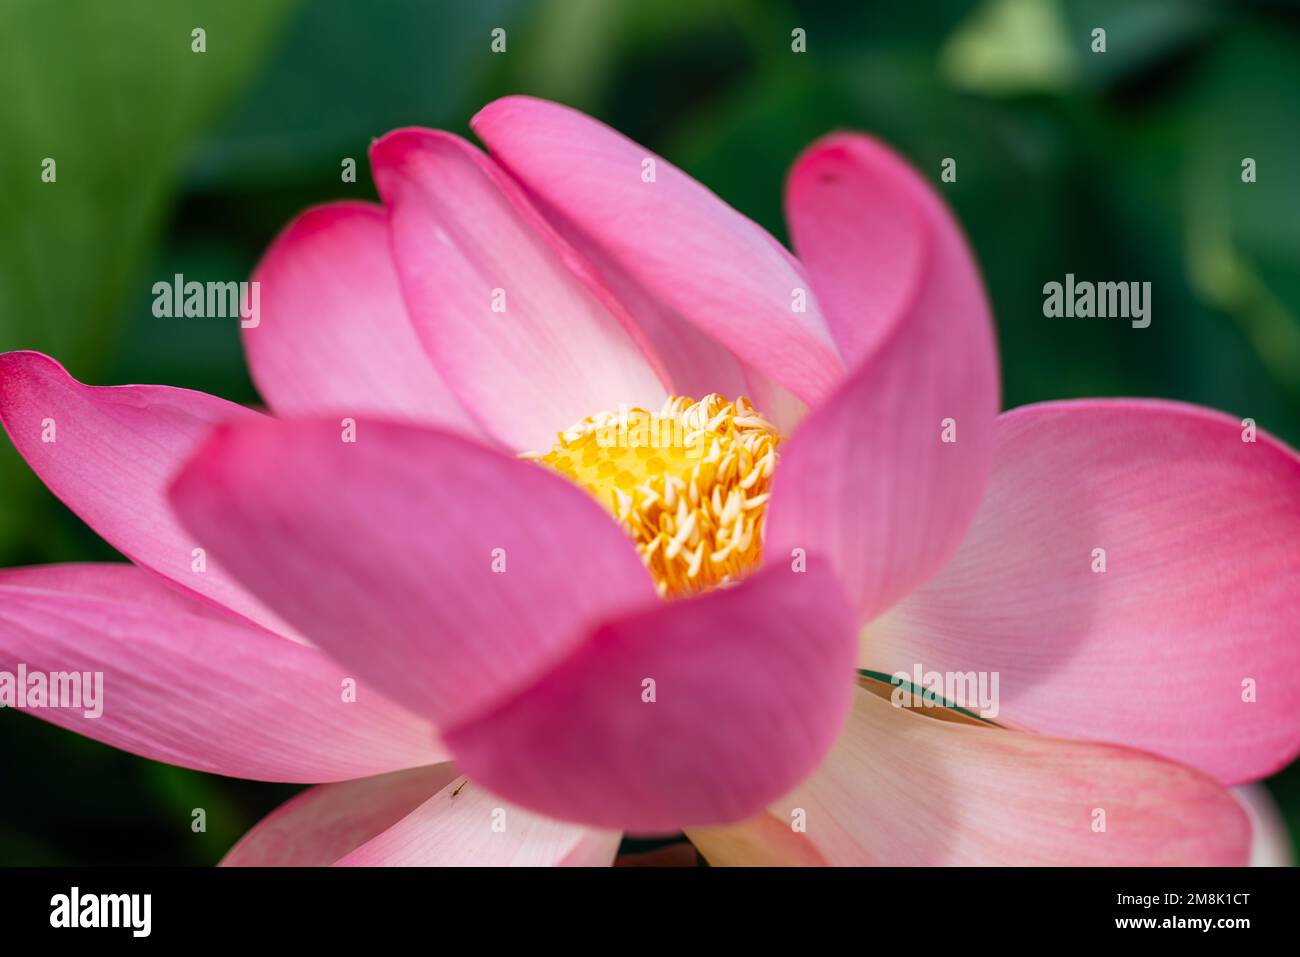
<point x="673" y="645"/>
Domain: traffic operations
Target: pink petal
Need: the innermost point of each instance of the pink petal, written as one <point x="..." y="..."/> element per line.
<point x="874" y="478"/>
<point x="116" y="581"/>
<point x="696" y="364"/>
<point x="463" y="233"/>
<point x="325" y="823"/>
<point x="333" y="335"/>
<point x="873" y="236"/>
<point x="114" y="451"/>
<point x="697" y="258"/>
<point x="751" y="684"/>
<point x="904" y="789"/>
<point x="384" y="551"/>
<point x="1201" y="591"/>
<point x="182" y="687"/>
<point x="463" y="825"/>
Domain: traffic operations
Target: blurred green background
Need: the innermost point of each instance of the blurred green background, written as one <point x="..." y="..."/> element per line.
<point x="1123" y="165"/>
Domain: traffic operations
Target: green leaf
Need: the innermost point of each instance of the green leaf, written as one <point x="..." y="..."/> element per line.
<point x="101" y="102"/>
<point x="349" y="71"/>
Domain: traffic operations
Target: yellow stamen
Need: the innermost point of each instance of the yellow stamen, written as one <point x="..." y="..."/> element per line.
<point x="690" y="485"/>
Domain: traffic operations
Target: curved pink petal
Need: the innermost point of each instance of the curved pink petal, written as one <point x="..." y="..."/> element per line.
<point x="333" y="335"/>
<point x="464" y="825"/>
<point x="904" y="789"/>
<point x="749" y="684"/>
<point x="1185" y="645"/>
<point x="886" y="476"/>
<point x="116" y="581"/>
<point x="324" y="823"/>
<point x="182" y="687"/>
<point x="877" y="243"/>
<point x="447" y="573"/>
<point x="517" y="322"/>
<point x="702" y="262"/>
<point x="108" y="453"/>
<point x="695" y="363"/>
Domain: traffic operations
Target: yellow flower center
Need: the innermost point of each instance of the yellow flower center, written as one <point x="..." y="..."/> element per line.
<point x="690" y="485"/>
